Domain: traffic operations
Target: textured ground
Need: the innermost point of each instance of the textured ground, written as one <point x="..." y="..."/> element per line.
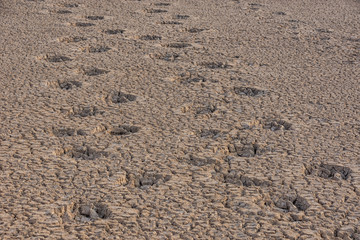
<point x="182" y="119"/>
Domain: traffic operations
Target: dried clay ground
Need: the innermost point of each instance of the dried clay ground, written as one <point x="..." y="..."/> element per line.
<point x="182" y="119"/>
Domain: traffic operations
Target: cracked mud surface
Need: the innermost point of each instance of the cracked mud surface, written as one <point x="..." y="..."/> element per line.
<point x="179" y="119"/>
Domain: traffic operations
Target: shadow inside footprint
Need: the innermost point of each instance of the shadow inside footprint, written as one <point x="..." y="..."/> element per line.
<point x="178" y="16"/>
<point x="248" y="91"/>
<point x="123" y="130"/>
<point x="178" y="45"/>
<point x="150" y="37"/>
<point x="82" y="24"/>
<point x="92" y="71"/>
<point x="114" y="31"/>
<point x="95" y="17"/>
<point x="120" y="97"/>
<point x="96" y="49"/>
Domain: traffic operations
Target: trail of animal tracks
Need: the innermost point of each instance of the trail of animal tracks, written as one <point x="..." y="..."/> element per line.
<point x="181" y="119"/>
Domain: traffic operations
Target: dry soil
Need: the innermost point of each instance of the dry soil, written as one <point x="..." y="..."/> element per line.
<point x="179" y="119"/>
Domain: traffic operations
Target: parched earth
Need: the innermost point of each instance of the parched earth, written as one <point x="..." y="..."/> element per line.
<point x="179" y="119"/>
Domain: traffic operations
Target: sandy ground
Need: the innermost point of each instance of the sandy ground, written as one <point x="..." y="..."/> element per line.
<point x="182" y="119"/>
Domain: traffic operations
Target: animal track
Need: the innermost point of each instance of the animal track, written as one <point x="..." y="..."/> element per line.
<point x="54" y="58"/>
<point x="178" y="45"/>
<point x="66" y="132"/>
<point x="120" y="97"/>
<point x="155" y="11"/>
<point x="196" y="161"/>
<point x="91" y="71"/>
<point x="169" y="57"/>
<point x="329" y="171"/>
<point x="82" y="111"/>
<point x="188" y="77"/>
<point x="97" y="49"/>
<point x="82" y="24"/>
<point x="149" y="37"/>
<point x="147" y="179"/>
<point x="95" y="211"/>
<point x="248" y="91"/>
<point x="63" y="11"/>
<point x="194" y="30"/>
<point x="206" y="110"/>
<point x="245" y="149"/>
<point x="80" y="152"/>
<point x="69" y="5"/>
<point x="122" y="130"/>
<point x="214" y="65"/>
<point x="179" y="16"/>
<point x="71" y="39"/>
<point x="170" y="23"/>
<point x="162" y="4"/>
<point x="279" y="13"/>
<point x="94" y="18"/>
<point x="275" y="125"/>
<point x="292" y="203"/>
<point x="114" y="31"/>
<point x="66" y="85"/>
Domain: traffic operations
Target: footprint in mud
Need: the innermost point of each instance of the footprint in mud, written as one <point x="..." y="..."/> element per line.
<point x="194" y="30"/>
<point x="248" y="91"/>
<point x="120" y="97"/>
<point x="169" y="57"/>
<point x="123" y="130"/>
<point x="177" y="45"/>
<point x="161" y="4"/>
<point x="329" y="171"/>
<point x="80" y="152"/>
<point x="146" y="179"/>
<point x="275" y="125"/>
<point x="54" y="58"/>
<point x="66" y="132"/>
<point x="71" y="39"/>
<point x="82" y="24"/>
<point x="69" y="5"/>
<point x="188" y="77"/>
<point x="63" y="12"/>
<point x="171" y="23"/>
<point x="83" y="211"/>
<point x="114" y="31"/>
<point x="65" y="85"/>
<point x="91" y="71"/>
<point x="214" y="65"/>
<point x="182" y="17"/>
<point x="279" y="13"/>
<point x="292" y="203"/>
<point x="200" y="162"/>
<point x="95" y="49"/>
<point x="94" y="211"/>
<point x="152" y="10"/>
<point x="94" y="18"/>
<point x="206" y="110"/>
<point x="82" y="111"/>
<point x="149" y="37"/>
<point x="246" y="149"/>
